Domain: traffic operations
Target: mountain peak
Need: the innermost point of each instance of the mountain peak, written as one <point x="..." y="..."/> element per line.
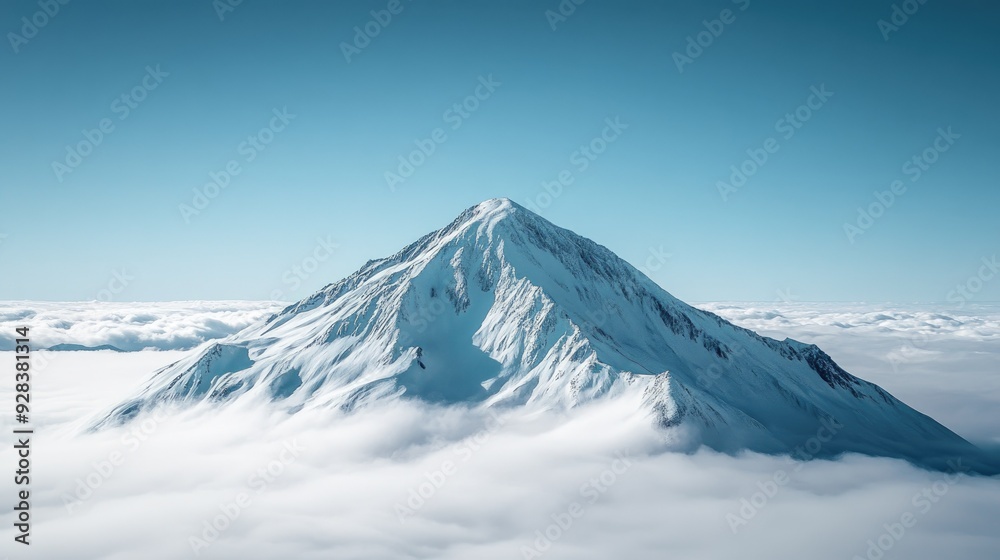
<point x="502" y="308"/>
<point x="496" y="205"/>
<point x="492" y="211"/>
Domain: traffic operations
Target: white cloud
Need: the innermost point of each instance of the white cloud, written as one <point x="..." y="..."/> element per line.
<point x="975" y="322"/>
<point x="338" y="497"/>
<point x="938" y="359"/>
<point x="129" y="326"/>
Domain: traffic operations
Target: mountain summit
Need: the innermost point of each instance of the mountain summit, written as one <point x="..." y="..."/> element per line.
<point x="501" y="308"/>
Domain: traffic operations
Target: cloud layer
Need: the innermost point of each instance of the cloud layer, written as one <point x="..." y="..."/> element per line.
<point x="129" y="326"/>
<point x="411" y="481"/>
<point x="940" y="360"/>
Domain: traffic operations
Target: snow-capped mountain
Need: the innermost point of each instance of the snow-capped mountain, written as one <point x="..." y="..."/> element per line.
<point x="503" y="309"/>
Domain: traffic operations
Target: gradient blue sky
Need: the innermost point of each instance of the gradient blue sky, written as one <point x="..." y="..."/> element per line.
<point x="654" y="187"/>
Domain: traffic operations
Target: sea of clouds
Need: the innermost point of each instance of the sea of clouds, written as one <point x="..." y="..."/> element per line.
<point x="412" y="481"/>
<point x="944" y="361"/>
<point x="175" y="325"/>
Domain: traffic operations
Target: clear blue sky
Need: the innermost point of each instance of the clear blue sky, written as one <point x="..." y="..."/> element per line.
<point x="323" y="174"/>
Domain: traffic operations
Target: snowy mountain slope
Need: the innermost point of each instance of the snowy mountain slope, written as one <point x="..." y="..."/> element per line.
<point x="501" y="308"/>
